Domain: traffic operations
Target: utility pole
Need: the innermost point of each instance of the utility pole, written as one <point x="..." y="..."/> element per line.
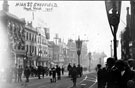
<point x="111" y="48"/>
<point x="89" y="60"/>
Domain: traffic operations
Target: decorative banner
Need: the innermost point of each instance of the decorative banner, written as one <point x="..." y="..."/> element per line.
<point x="113" y="4"/>
<point x="113" y="7"/>
<point x="37" y="6"/>
<point x="79" y="44"/>
<point x="47" y="33"/>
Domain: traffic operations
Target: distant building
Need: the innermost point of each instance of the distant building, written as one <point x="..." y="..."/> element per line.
<point x="62" y="52"/>
<point x="84" y="53"/>
<point x="72" y="54"/>
<point x="97" y="58"/>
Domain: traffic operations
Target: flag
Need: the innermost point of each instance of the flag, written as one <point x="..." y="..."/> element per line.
<point x="47" y="33"/>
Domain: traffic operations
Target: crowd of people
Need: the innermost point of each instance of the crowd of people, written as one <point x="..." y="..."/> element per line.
<point x="18" y="72"/>
<point x="116" y="74"/>
<point x="15" y="74"/>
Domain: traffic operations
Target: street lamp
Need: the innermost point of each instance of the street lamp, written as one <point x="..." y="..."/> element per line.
<point x="79" y="46"/>
<point x="89" y="59"/>
<point x="113" y="9"/>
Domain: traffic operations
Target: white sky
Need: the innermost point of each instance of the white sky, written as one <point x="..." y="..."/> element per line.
<point x="72" y="18"/>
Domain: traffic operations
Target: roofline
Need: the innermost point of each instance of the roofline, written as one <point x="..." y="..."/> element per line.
<point x="12" y="16"/>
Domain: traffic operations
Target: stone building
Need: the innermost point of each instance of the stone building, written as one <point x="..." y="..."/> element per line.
<point x="30" y="44"/>
<point x="15" y="31"/>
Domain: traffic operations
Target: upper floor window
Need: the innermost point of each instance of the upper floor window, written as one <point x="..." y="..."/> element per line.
<point x="32" y="38"/>
<point x="35" y="38"/>
<point x="29" y="36"/>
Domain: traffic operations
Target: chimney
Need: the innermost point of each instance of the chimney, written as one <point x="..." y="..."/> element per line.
<point x="5" y="6"/>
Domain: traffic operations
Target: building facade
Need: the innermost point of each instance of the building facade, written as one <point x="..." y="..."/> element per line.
<point x="132" y="29"/>
<point x="72" y="53"/>
<point x="128" y="35"/>
<point x="125" y="39"/>
<point x="30" y="45"/>
<point x="15" y="30"/>
<point x="42" y="47"/>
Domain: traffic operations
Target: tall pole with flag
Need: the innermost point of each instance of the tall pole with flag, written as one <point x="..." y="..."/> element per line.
<point x="79" y="46"/>
<point x="113" y="9"/>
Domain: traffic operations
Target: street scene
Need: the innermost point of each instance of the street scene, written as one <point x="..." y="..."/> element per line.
<point x="67" y="44"/>
<point x="65" y="82"/>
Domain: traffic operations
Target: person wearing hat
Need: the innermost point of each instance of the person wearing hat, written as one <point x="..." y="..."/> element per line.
<point x="110" y="77"/>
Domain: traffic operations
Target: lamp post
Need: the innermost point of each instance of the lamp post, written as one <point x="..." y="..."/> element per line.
<point x="113" y="9"/>
<point x="89" y="60"/>
<point x="111" y="48"/>
<point x="79" y="46"/>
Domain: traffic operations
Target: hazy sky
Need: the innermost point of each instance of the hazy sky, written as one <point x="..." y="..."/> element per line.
<point x="72" y="18"/>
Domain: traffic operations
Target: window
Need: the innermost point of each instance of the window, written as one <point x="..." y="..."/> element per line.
<point x="32" y="37"/>
<point x="29" y="36"/>
<point x="26" y="35"/>
<point x="35" y="38"/>
<point x="35" y="50"/>
<point x="27" y="48"/>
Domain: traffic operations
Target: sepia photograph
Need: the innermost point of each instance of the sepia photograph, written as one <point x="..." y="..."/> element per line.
<point x="67" y="44"/>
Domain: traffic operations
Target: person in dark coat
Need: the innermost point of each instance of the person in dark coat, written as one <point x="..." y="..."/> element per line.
<point x="39" y="70"/>
<point x="99" y="76"/>
<point x="74" y="75"/>
<point x="62" y="70"/>
<point x="53" y="72"/>
<point x="58" y="71"/>
<point x="124" y="73"/>
<point x="69" y="70"/>
<point x="101" y="73"/>
<point x="79" y="70"/>
<point x="110" y="77"/>
<point x="27" y="73"/>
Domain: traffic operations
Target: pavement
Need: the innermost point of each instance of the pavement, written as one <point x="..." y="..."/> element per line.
<point x="45" y="83"/>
